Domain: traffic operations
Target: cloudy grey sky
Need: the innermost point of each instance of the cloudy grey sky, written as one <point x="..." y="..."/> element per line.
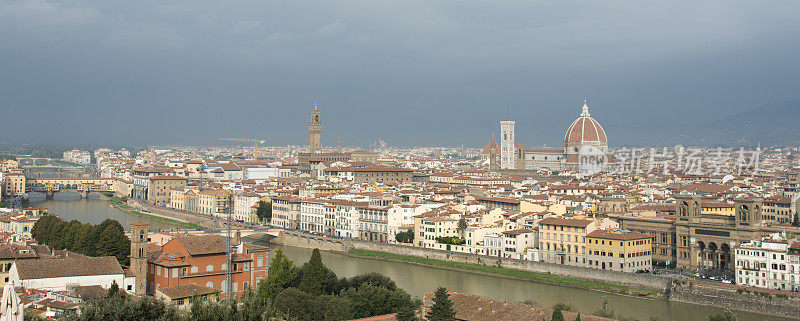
<point x="409" y="72"/>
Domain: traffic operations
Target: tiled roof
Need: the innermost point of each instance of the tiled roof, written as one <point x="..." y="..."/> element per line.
<point x="620" y="235"/>
<point x="70" y="266"/>
<point x="202" y="244"/>
<point x="186" y="291"/>
<point x="565" y="222"/>
<point x="476" y="308"/>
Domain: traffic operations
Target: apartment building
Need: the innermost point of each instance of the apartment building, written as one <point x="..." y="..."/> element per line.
<point x="201" y="260"/>
<point x="346" y="218"/>
<point x="214" y="202"/>
<point x="312" y="215"/>
<point x="160" y="187"/>
<point x="286" y="211"/>
<point x="619" y="250"/>
<point x="515" y="243"/>
<point x="242" y="206"/>
<point x="769" y="264"/>
<point x="374" y="223"/>
<point x="563" y="240"/>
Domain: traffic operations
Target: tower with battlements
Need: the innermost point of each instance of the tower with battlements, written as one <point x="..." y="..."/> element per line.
<point x="315" y="130"/>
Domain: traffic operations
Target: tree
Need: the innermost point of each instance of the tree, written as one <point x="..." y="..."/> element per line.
<point x="605" y="311"/>
<point x="122" y="308"/>
<point x="264" y="211"/>
<point x="406" y="314"/>
<point x="369" y="300"/>
<point x="442" y="309"/>
<point x="372" y="278"/>
<point x="578" y="318"/>
<point x="113" y="289"/>
<point x="462" y="225"/>
<point x="313" y="275"/>
<point x="451" y="240"/>
<point x="796" y="219"/>
<point x="557" y="315"/>
<point x="565" y="307"/>
<point x="405" y="237"/>
<point x="252" y="308"/>
<point x="2" y="204"/>
<point x="728" y="315"/>
<point x="282" y="272"/>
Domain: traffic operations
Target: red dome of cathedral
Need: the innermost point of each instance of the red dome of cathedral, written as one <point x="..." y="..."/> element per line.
<point x="585" y="129"/>
<point x="492" y="145"/>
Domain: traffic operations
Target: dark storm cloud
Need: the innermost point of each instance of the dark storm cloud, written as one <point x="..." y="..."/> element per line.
<point x="408" y="72"/>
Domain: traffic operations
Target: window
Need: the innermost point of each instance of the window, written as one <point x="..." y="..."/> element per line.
<point x="209" y="268"/>
<point x="195" y="269"/>
<point x="174" y="273"/>
<point x="210" y="284"/>
<point x="260" y="261"/>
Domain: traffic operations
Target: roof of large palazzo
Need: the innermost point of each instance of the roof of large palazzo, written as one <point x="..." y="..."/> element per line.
<point x="585" y="129"/>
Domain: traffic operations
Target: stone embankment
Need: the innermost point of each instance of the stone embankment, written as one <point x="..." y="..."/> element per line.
<point x="636" y="281"/>
<point x="175" y="215"/>
<point x="736" y="298"/>
<point x="695" y="292"/>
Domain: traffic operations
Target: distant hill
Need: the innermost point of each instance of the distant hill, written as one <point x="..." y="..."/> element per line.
<point x="772" y="124"/>
<point x="776" y="123"/>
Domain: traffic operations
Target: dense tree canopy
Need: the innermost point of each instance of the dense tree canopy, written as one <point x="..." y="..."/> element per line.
<point x="455" y="240"/>
<point x="264" y="211"/>
<point x="405" y="237"/>
<point x="105" y="239"/>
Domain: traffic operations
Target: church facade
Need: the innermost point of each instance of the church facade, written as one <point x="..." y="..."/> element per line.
<point x="584" y="132"/>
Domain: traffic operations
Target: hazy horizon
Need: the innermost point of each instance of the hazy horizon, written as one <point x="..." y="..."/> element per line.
<point x="416" y="73"/>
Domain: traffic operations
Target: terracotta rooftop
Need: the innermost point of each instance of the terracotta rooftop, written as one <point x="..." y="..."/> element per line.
<point x="186" y="291"/>
<point x="202" y="244"/>
<point x="565" y="222"/>
<point x="621" y="235"/>
<point x="70" y="266"/>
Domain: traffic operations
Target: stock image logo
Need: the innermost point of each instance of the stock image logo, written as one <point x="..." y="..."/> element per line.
<point x="591" y="160"/>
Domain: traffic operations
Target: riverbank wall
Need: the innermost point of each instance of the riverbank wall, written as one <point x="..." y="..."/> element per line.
<point x="636" y="281"/>
<point x="702" y="293"/>
<point x="175" y="215"/>
<point x="736" y="298"/>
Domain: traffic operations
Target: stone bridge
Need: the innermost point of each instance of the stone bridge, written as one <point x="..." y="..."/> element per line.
<point x="82" y="186"/>
<point x="263" y="234"/>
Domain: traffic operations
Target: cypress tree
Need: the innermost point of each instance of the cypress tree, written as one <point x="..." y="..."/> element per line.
<point x="442" y="309"/>
<point x="557" y="315"/>
<point x="313" y="275"/>
<point x="282" y="272"/>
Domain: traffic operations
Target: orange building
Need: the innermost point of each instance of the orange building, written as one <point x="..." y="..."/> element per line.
<point x="201" y="260"/>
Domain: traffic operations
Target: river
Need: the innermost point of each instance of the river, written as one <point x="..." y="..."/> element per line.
<point x="418" y="280"/>
<point x="93" y="209"/>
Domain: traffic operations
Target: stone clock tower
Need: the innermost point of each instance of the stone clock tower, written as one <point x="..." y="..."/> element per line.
<point x="139" y="255"/>
<point x="315" y="130"/>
